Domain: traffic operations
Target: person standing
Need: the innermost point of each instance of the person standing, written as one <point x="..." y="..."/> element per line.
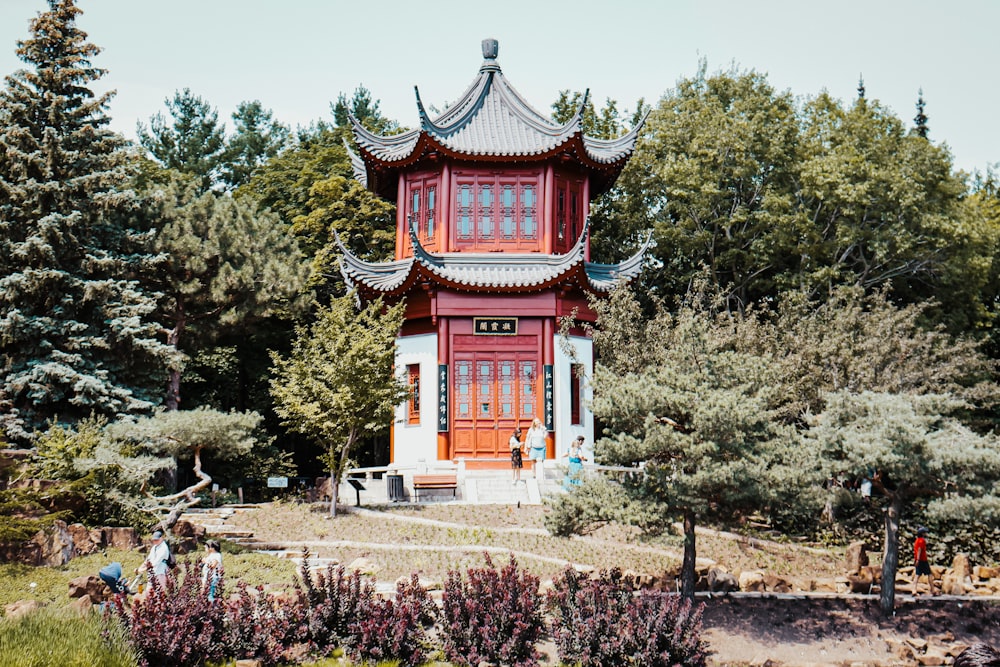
<point x="211" y="568"/>
<point x="516" y="462"/>
<point x="923" y="567"/>
<point x="155" y="564"/>
<point x="536" y="446"/>
<point x="574" y="471"/>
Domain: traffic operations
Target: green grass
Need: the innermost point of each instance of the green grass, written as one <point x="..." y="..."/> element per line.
<point x="50" y="637"/>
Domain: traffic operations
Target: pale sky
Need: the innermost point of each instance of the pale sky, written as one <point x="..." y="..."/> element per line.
<point x="295" y="56"/>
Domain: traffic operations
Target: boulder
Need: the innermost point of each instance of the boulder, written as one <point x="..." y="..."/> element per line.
<point x="88" y="586"/>
<point x="961" y="566"/>
<point x="185" y="537"/>
<point x="120" y="538"/>
<point x="55" y="545"/>
<point x="984" y="573"/>
<point x="84" y="605"/>
<point x="777" y="584"/>
<point x="84" y="543"/>
<point x="952" y="584"/>
<point x="364" y="566"/>
<point x="855" y="558"/>
<point x="21" y="608"/>
<point x="752" y="581"/>
<point x="934" y="656"/>
<point x="720" y="581"/>
<point x="859" y="583"/>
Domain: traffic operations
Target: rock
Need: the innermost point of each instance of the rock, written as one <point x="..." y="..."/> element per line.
<point x="364" y="566"/>
<point x="720" y="581"/>
<point x="427" y="584"/>
<point x="951" y="584"/>
<point x="185" y="537"/>
<point x="83" y="605"/>
<point x="858" y="583"/>
<point x="917" y="643"/>
<point x="933" y="656"/>
<point x="855" y="558"/>
<point x="752" y="581"/>
<point x="776" y="584"/>
<point x="955" y="650"/>
<point x="984" y="573"/>
<point x="119" y="538"/>
<point x="55" y="545"/>
<point x="88" y="586"/>
<point x="83" y="539"/>
<point x="21" y="608"/>
<point x="961" y="566"/>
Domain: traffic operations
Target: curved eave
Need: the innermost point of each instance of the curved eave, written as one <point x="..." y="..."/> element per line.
<point x="357" y="165"/>
<point x="380" y="278"/>
<point x="604" y="277"/>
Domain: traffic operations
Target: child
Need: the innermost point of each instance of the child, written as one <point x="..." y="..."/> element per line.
<point x="516" y="461"/>
<point x="211" y="568"/>
<point x="576" y="459"/>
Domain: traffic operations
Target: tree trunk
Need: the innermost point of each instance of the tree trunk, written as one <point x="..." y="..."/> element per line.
<point x="687" y="566"/>
<point x="173" y="398"/>
<point x="890" y="553"/>
<point x="334" y="491"/>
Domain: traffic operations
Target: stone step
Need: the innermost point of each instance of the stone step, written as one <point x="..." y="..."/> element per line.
<point x="228" y="532"/>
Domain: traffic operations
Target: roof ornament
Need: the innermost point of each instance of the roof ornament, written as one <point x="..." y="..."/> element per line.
<point x="491" y="48"/>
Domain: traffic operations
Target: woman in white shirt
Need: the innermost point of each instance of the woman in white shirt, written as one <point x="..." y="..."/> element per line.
<point x="536" y="446"/>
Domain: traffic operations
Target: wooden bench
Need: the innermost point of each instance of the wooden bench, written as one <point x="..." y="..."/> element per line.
<point x="434" y="482"/>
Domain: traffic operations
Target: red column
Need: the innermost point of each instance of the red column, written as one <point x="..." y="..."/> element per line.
<point x="402" y="230"/>
<point x="586" y="214"/>
<point x="548" y="210"/>
<point x="444" y="242"/>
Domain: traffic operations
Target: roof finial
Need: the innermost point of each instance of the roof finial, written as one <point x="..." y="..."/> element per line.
<point x="490" y="48"/>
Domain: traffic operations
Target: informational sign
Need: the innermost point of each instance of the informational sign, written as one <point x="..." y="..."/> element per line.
<point x="494" y="326"/>
<point x="549" y="396"/>
<point x="277" y="482"/>
<point x="442" y="417"/>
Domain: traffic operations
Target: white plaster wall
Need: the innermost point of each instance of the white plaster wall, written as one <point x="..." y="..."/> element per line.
<point x="412" y="442"/>
<point x="561" y="372"/>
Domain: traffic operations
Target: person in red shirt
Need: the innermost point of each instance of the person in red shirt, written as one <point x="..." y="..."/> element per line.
<point x="922" y="566"/>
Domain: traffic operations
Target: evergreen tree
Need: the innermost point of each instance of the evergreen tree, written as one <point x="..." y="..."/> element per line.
<point x="861" y="87"/>
<point x="258" y="138"/>
<point x="192" y="141"/>
<point x="75" y="335"/>
<point x="920" y="120"/>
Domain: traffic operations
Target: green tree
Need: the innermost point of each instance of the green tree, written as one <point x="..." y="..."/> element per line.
<point x="912" y="449"/>
<point x="76" y="335"/>
<point x="257" y="139"/>
<point x="179" y="435"/>
<point x="604" y="124"/>
<point x="675" y="395"/>
<point x="191" y="141"/>
<point x="228" y="264"/>
<point x="920" y="120"/>
<point x="365" y="110"/>
<point x="339" y="384"/>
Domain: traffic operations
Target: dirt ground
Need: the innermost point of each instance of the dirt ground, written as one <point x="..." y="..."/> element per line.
<point x="841" y="631"/>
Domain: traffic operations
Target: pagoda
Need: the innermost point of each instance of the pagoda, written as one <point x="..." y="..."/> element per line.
<point x="492" y="249"/>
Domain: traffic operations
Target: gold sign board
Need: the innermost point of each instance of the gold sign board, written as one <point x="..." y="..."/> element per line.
<point x="494" y="326"/>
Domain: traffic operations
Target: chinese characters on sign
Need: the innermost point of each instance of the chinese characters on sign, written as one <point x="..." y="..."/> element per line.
<point x="494" y="326"/>
<point x="547" y="379"/>
<point x="442" y="379"/>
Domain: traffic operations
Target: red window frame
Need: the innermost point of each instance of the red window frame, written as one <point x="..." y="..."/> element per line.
<point x="413" y="403"/>
<point x="576" y="394"/>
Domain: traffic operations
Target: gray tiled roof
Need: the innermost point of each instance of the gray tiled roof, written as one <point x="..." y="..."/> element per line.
<point x="492" y="119"/>
<point x="518" y="271"/>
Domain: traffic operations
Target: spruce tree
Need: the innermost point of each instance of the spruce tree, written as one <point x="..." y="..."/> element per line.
<point x="75" y="335"/>
<point x="920" y="120"/>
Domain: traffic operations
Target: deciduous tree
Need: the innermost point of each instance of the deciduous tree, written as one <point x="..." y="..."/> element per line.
<point x="339" y="382"/>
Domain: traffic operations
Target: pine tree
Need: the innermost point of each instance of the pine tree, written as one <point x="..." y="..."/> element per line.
<point x="920" y="120"/>
<point x="861" y="87"/>
<point x="75" y="337"/>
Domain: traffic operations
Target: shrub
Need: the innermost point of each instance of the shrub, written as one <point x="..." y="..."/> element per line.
<point x="587" y="617"/>
<point x="601" y="623"/>
<point x="493" y="617"/>
<point x="393" y="629"/>
<point x="330" y="605"/>
<point x="175" y="624"/>
<point x="260" y="627"/>
<point x="61" y="637"/>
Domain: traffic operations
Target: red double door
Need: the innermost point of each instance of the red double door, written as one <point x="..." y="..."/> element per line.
<point x="493" y="392"/>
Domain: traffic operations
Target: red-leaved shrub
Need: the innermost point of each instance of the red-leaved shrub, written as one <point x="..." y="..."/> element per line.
<point x="602" y="623"/>
<point x="393" y="629"/>
<point x="330" y="604"/>
<point x="493" y="616"/>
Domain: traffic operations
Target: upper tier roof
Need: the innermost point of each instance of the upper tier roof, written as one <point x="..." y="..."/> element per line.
<point x="490" y="120"/>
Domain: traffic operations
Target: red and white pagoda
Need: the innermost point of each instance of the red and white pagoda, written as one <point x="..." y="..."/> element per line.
<point x="492" y="249"/>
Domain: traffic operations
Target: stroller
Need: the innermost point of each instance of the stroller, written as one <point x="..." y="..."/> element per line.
<point x="111" y="574"/>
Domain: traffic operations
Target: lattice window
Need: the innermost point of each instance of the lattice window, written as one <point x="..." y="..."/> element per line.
<point x="413" y="380"/>
<point x="431" y="212"/>
<point x="463" y="389"/>
<point x="465" y="212"/>
<point x="486" y="211"/>
<point x="561" y="215"/>
<point x="508" y="226"/>
<point x="527" y="397"/>
<point x="529" y="224"/>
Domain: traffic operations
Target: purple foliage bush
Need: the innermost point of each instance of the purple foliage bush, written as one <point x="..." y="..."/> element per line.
<point x="260" y="626"/>
<point x="393" y="629"/>
<point x="175" y="624"/>
<point x="602" y="623"/>
<point x="330" y="604"/>
<point x="493" y="616"/>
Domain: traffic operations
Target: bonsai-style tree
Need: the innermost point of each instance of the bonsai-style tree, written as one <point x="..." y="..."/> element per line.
<point x="913" y="450"/>
<point x="338" y="383"/>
